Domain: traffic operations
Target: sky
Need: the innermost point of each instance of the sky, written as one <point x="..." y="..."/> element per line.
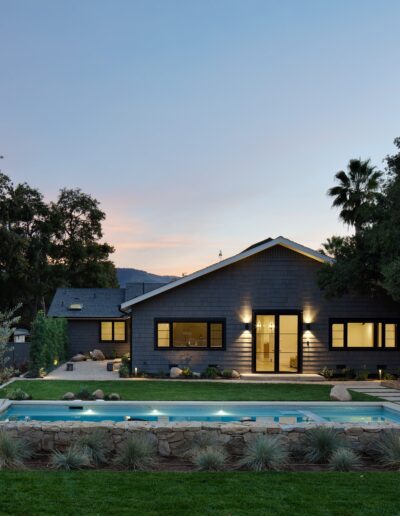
<point x="198" y="125"/>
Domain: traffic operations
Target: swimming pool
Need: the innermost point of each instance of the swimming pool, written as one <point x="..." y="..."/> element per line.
<point x="167" y="412"/>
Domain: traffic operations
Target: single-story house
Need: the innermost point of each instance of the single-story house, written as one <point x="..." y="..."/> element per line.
<point x="259" y="311"/>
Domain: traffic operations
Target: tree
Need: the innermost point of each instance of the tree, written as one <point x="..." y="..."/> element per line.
<point x="7" y="321"/>
<point x="367" y="262"/>
<point x="79" y="257"/>
<point x="357" y="193"/>
<point x="48" y="245"/>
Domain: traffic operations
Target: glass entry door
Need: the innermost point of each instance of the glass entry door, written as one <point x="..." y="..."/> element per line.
<point x="276" y="343"/>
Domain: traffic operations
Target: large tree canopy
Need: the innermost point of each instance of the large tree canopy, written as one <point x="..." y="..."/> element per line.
<point x="47" y="245"/>
<point x="368" y="261"/>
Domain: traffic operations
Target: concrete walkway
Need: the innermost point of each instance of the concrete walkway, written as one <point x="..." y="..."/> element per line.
<point x="87" y="370"/>
<point x="380" y="391"/>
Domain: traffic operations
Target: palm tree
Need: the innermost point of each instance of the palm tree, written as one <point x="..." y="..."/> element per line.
<point x="357" y="192"/>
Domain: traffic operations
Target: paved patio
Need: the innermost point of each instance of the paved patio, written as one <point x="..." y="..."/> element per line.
<point x="87" y="370"/>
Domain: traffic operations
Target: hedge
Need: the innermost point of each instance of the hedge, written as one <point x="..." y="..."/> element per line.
<point x="49" y="343"/>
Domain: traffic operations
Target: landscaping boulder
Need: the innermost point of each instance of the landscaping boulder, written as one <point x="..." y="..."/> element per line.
<point x="78" y="358"/>
<point x="175" y="372"/>
<point x="235" y="374"/>
<point x="98" y="394"/>
<point x="68" y="396"/>
<point x="114" y="396"/>
<point x="340" y="393"/>
<point x="97" y="354"/>
<point x="196" y="375"/>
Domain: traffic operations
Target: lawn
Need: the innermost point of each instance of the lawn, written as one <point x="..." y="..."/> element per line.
<point x="180" y="391"/>
<point x="199" y="493"/>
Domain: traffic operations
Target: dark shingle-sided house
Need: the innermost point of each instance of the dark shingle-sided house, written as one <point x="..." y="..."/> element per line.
<point x="258" y="311"/>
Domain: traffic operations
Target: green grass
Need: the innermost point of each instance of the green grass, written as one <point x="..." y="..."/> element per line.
<point x="238" y="493"/>
<point x="179" y="391"/>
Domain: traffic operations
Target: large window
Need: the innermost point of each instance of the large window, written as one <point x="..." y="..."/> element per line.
<point x="183" y="334"/>
<point x="113" y="331"/>
<point x="365" y="334"/>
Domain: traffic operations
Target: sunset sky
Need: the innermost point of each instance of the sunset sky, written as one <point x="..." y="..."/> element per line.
<point x="199" y="125"/>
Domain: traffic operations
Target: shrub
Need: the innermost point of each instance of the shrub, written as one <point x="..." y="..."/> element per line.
<point x="348" y="373"/>
<point x="124" y="371"/>
<point x="186" y="372"/>
<point x="73" y="458"/>
<point x="126" y="359"/>
<point x="320" y="443"/>
<point x="95" y="446"/>
<point x="137" y="453"/>
<point x="344" y="459"/>
<point x="387" y="449"/>
<point x="49" y="343"/>
<point x="264" y="452"/>
<point x="210" y="458"/>
<point x="83" y="394"/>
<point x="362" y="375"/>
<point x="211" y="372"/>
<point x="18" y="395"/>
<point x="326" y="372"/>
<point x="13" y="451"/>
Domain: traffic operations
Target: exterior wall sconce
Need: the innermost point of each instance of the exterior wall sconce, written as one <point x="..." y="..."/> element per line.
<point x="307" y="327"/>
<point x="247" y="326"/>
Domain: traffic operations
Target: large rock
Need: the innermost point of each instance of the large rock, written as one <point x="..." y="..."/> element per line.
<point x="98" y="394"/>
<point x="114" y="397"/>
<point x="97" y="354"/>
<point x="78" y="358"/>
<point x="68" y="396"/>
<point x="340" y="393"/>
<point x="196" y="375"/>
<point x="175" y="372"/>
<point x="235" y="374"/>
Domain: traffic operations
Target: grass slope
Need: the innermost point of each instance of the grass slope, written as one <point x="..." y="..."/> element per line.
<point x="239" y="493"/>
<point x="179" y="391"/>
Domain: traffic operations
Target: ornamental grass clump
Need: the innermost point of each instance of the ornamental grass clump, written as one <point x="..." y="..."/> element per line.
<point x="210" y="458"/>
<point x="13" y="451"/>
<point x="265" y="452"/>
<point x="344" y="459"/>
<point x="95" y="446"/>
<point x="137" y="453"/>
<point x="387" y="449"/>
<point x="72" y="459"/>
<point x="320" y="443"/>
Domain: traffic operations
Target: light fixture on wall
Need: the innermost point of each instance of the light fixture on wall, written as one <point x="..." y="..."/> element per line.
<point x="247" y="326"/>
<point x="307" y="327"/>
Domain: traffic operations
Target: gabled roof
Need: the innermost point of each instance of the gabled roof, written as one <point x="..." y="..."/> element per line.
<point x="250" y="251"/>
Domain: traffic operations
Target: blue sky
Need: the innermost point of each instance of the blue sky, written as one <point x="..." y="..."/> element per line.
<point x="200" y="125"/>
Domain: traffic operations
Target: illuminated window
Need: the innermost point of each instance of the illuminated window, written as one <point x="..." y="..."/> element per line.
<point x="113" y="331"/>
<point x="163" y="335"/>
<point x="190" y="334"/>
<point x="390" y="335"/>
<point x="106" y="331"/>
<point x="216" y="335"/>
<point x="360" y="335"/>
<point x="363" y="334"/>
<point x="337" y="335"/>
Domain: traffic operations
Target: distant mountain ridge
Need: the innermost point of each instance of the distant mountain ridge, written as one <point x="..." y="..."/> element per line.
<point x="130" y="275"/>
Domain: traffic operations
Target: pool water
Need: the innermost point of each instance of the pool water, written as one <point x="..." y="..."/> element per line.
<point x="217" y="412"/>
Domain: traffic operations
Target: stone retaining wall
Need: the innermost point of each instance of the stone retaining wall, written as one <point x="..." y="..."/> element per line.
<point x="176" y="439"/>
